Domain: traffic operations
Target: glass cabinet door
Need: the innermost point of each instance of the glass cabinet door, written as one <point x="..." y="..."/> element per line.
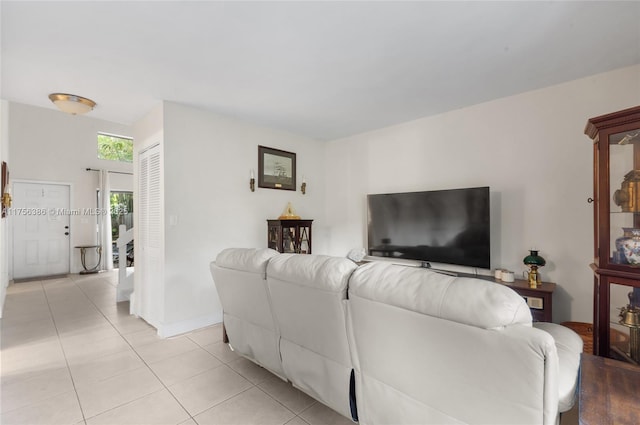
<point x="623" y="324"/>
<point x="624" y="198"/>
<point x="624" y="242"/>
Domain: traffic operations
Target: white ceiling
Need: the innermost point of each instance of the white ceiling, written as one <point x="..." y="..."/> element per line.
<point x="321" y="69"/>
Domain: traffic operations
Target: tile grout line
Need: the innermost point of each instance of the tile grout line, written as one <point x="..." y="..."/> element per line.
<point x="147" y="365"/>
<point x="257" y="385"/>
<point x="143" y="361"/>
<point x="121" y="335"/>
<point x="296" y="415"/>
<point x="73" y="382"/>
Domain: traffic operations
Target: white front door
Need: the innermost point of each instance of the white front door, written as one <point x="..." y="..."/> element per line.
<point x="40" y="215"/>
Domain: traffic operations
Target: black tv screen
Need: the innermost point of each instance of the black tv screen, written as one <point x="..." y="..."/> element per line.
<point x="440" y="226"/>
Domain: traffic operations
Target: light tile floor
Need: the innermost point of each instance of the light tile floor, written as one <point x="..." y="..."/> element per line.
<point x="71" y="355"/>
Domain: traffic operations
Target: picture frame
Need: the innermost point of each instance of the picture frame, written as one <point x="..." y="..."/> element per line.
<point x="276" y="169"/>
<point x="4" y="185"/>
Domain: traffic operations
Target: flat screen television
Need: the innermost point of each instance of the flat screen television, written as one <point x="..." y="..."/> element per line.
<point x="440" y="226"/>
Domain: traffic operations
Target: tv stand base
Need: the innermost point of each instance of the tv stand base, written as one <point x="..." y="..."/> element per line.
<point x="427" y="265"/>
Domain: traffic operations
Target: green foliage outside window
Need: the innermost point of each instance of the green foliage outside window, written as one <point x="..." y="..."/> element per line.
<point x="115" y="148"/>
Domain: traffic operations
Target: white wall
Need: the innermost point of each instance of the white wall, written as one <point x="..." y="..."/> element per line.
<point x="529" y="148"/>
<point x="207" y="161"/>
<point x="49" y="145"/>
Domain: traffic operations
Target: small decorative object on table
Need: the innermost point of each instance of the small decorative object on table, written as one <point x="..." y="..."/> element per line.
<point x="534" y="261"/>
<point x="289" y="213"/>
<point x="508" y="276"/>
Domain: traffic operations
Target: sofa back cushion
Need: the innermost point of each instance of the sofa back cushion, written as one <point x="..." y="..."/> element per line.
<point x="252" y="260"/>
<point x="469" y="301"/>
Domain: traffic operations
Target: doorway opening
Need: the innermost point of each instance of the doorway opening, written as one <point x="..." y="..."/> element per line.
<point x="121" y="203"/>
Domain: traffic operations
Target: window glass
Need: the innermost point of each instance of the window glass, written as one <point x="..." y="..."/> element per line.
<point x="115" y="148"/>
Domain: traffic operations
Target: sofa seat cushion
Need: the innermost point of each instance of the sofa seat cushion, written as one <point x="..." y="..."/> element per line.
<point x="470" y="301"/>
<point x="569" y="347"/>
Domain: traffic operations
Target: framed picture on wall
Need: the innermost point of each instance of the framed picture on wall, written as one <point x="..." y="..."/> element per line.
<point x="276" y="169"/>
<point x="4" y="185"/>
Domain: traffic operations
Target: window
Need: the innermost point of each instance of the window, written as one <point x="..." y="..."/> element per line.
<point x="115" y="148"/>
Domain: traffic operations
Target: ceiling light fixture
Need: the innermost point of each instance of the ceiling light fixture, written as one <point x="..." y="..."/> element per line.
<point x="72" y="104"/>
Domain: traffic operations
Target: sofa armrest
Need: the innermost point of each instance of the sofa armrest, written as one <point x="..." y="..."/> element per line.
<point x="569" y="347"/>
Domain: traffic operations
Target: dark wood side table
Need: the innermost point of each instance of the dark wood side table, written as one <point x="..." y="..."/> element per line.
<point x="290" y="236"/>
<point x="539" y="300"/>
<point x="609" y="392"/>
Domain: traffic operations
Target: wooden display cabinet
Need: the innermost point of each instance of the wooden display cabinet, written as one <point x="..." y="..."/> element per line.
<point x="289" y="236"/>
<point x="616" y="208"/>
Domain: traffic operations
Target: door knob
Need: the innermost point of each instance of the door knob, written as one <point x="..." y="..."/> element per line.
<point x="66" y="227"/>
<point x="66" y="233"/>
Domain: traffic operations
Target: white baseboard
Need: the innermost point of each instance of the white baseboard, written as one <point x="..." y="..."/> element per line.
<point x="166" y="330"/>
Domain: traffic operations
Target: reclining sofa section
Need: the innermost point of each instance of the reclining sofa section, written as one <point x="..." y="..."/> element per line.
<point x="240" y="279"/>
<point x="425" y="348"/>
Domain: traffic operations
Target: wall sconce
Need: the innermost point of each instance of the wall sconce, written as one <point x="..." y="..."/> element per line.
<point x="303" y="188"/>
<point x="6" y="199"/>
<point x="252" y="182"/>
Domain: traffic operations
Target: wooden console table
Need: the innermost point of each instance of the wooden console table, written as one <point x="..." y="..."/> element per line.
<point x="609" y="392"/>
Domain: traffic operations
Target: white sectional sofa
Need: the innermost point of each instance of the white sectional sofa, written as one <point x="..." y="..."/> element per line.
<point x="390" y="344"/>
